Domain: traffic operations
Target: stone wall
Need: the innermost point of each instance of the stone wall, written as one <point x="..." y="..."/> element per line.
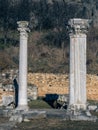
<point x="50" y="84"/>
<point x="59" y="83"/>
<point x="92" y="87"/>
<point x="5" y="93"/>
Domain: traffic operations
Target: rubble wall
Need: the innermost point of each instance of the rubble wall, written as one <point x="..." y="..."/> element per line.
<point x="59" y="84"/>
<point x="48" y="83"/>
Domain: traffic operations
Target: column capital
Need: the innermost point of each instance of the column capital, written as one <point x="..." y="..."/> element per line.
<point x="78" y="26"/>
<point x="23" y="27"/>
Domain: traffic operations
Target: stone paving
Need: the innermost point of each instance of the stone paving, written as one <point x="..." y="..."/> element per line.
<point x="9" y="120"/>
<point x="49" y="119"/>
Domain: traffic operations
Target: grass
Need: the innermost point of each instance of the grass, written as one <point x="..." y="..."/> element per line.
<point x="55" y="124"/>
<point x="40" y="104"/>
<point x="92" y="102"/>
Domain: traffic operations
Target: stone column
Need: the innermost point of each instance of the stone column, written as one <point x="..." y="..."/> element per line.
<point x="77" y="96"/>
<point x="22" y="98"/>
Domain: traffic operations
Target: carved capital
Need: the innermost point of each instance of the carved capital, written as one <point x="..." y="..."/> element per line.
<point x="78" y="26"/>
<point x="23" y="28"/>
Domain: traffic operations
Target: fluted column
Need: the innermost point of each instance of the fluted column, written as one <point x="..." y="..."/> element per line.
<point x="22" y="99"/>
<point x="77" y="96"/>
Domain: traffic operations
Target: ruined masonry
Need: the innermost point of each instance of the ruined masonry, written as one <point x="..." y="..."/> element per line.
<point x="59" y="83"/>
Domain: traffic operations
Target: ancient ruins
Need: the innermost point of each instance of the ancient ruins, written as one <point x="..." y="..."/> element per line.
<point x="22" y="99"/>
<point x="78" y="29"/>
<point x="77" y="76"/>
<point x="77" y="98"/>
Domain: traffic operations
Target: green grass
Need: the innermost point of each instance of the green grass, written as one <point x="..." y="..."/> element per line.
<point x="40" y="104"/>
<point x="92" y="102"/>
<point x="54" y="124"/>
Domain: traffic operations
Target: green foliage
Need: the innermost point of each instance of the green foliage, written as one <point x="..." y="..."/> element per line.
<point x="49" y="19"/>
<point x="54" y="38"/>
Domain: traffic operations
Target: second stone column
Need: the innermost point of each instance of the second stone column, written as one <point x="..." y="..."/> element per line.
<point x="77" y="96"/>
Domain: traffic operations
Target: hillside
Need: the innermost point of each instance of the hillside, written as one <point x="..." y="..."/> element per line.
<point x="48" y="45"/>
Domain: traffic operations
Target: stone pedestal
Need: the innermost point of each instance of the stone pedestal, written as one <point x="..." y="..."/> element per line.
<point x="77" y="97"/>
<point x="22" y="99"/>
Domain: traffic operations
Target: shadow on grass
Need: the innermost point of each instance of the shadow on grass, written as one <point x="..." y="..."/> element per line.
<point x="49" y="101"/>
<point x="52" y="100"/>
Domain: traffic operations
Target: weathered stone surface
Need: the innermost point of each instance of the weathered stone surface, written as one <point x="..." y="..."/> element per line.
<point x="92" y="107"/>
<point x="88" y="113"/>
<point x="7" y="112"/>
<point x="83" y="118"/>
<point x="8" y="87"/>
<point x="32" y="92"/>
<point x="5" y="94"/>
<point x="77" y="93"/>
<point x="7" y="126"/>
<point x="16" y="118"/>
<point x="63" y="98"/>
<point x="34" y="114"/>
<point x="7" y="100"/>
<point x="22" y="97"/>
<point x="59" y="114"/>
<point x="26" y="120"/>
<point x="19" y="116"/>
<point x="49" y="83"/>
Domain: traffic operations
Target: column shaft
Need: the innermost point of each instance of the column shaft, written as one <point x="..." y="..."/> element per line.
<point x="22" y="99"/>
<point x="23" y="71"/>
<point x="77" y="96"/>
<point x="78" y="71"/>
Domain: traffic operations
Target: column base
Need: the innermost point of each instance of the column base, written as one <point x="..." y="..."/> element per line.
<point x="80" y="115"/>
<point x="22" y="108"/>
<point x="78" y="110"/>
<point x="77" y="107"/>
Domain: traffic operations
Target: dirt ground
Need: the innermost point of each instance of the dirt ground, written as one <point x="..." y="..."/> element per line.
<point x="55" y="124"/>
<point x="49" y="124"/>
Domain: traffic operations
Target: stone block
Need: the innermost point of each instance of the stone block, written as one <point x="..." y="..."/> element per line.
<point x="63" y="98"/>
<point x="7" y="100"/>
<point x="16" y="118"/>
<point x="34" y="115"/>
<point x="26" y="120"/>
<point x="92" y="107"/>
<point x="33" y="92"/>
<point x="88" y="114"/>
